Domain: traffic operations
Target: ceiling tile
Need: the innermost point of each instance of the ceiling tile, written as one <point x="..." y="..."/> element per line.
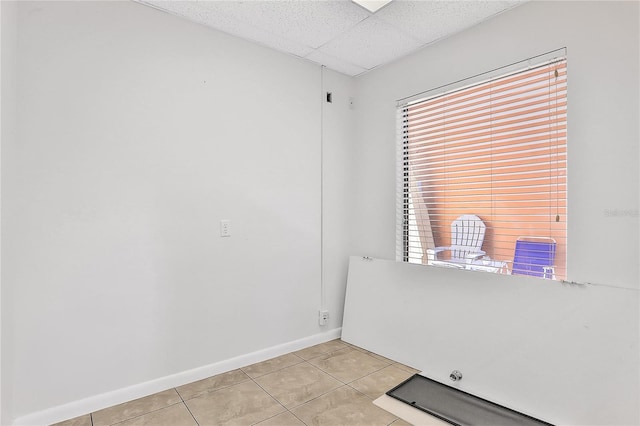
<point x="335" y="63"/>
<point x="370" y="43"/>
<point x="338" y="33"/>
<point x="312" y="23"/>
<point x="309" y="23"/>
<point x="208" y="13"/>
<point x="431" y="20"/>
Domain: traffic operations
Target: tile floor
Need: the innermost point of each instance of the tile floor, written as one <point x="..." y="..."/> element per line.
<point x="333" y="383"/>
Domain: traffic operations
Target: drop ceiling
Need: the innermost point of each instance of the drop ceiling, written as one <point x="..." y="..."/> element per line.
<point x="339" y="34"/>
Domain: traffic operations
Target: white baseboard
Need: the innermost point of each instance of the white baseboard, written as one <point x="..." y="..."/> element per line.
<point x="108" y="399"/>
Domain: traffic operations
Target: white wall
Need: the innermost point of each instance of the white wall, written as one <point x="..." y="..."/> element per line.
<point x="139" y="132"/>
<point x="338" y="158"/>
<point x="566" y="354"/>
<point x="8" y="45"/>
<point x="602" y="41"/>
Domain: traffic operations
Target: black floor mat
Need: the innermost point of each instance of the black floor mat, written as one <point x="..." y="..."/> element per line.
<point x="455" y="406"/>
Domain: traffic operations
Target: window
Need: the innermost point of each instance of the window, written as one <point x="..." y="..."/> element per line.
<point x="483" y="173"/>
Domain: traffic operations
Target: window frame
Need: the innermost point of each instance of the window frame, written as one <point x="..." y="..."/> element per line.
<point x="403" y="203"/>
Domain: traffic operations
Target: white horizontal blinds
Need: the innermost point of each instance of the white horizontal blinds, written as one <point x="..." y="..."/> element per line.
<point x="496" y="150"/>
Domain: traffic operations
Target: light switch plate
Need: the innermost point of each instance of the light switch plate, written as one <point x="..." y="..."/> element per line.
<point x="225" y="228"/>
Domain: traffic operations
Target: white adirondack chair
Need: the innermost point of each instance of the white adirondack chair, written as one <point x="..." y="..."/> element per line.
<point x="467" y="236"/>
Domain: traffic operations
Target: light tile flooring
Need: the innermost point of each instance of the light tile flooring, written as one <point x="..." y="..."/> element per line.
<point x="333" y="383"/>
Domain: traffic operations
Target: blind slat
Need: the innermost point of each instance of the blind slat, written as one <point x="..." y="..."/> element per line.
<point x="497" y="86"/>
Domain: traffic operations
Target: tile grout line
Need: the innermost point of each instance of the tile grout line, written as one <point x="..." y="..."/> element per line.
<point x="210" y="390"/>
<point x="346" y="383"/>
<point x="273" y="397"/>
<point x="389" y="363"/>
<point x="301" y="421"/>
<point x="325" y="354"/>
<point x="373" y="399"/>
<point x="276" y="399"/>
<point x="307" y="362"/>
<point x="361" y="393"/>
<point x="342" y="384"/>
<point x="313" y="399"/>
<point x="187" y="407"/>
<point x="274" y="371"/>
<point x="328" y="374"/>
<point x="319" y="396"/>
<point x="371" y="354"/>
<point x="393" y="362"/>
<point x="367" y="375"/>
<point x="346" y="346"/>
<point x="143" y="414"/>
